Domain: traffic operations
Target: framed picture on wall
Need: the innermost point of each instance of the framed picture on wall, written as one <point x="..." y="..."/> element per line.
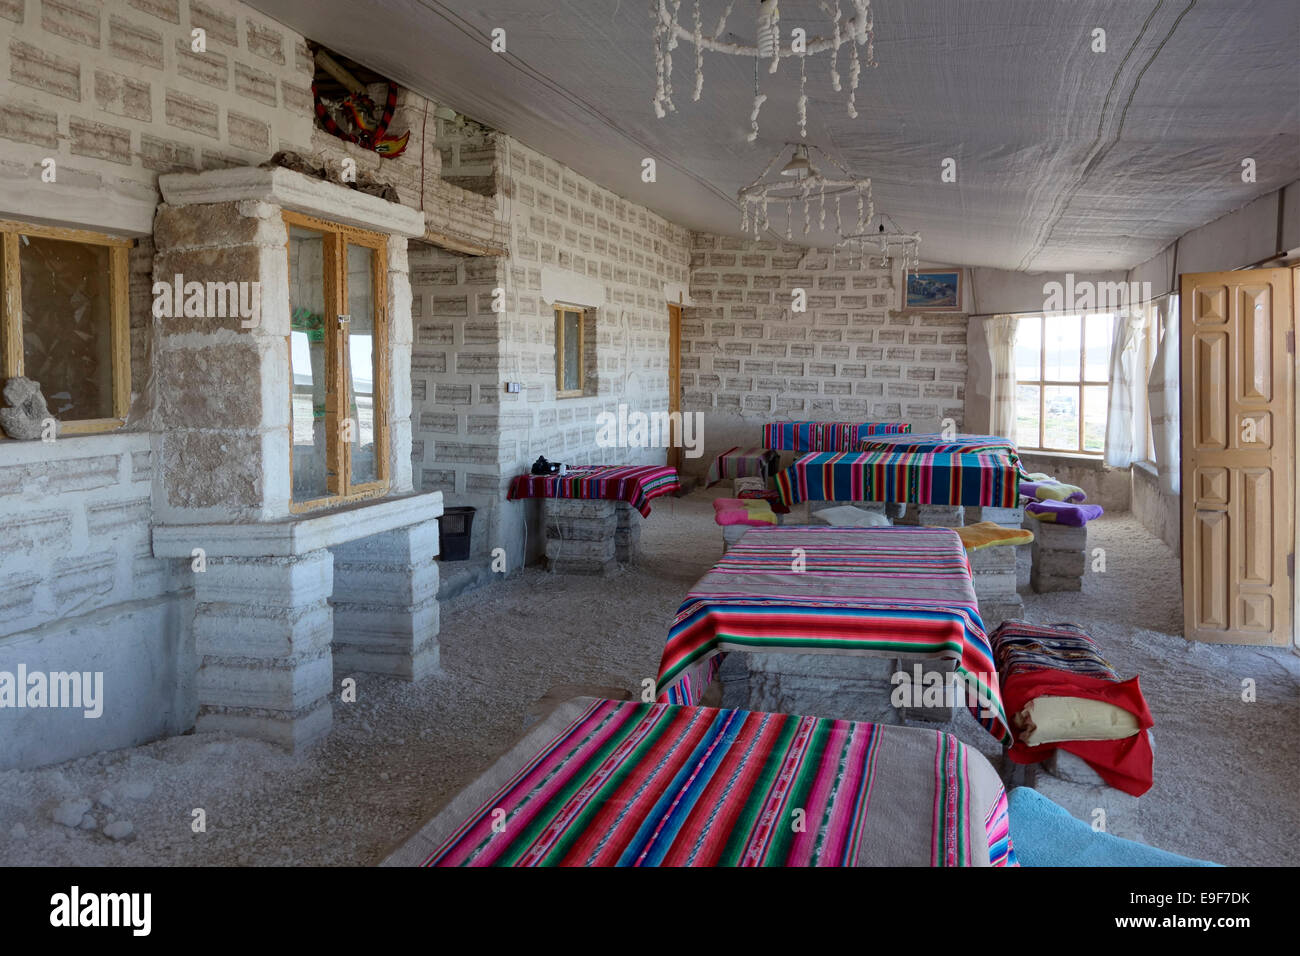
<point x="934" y="291"/>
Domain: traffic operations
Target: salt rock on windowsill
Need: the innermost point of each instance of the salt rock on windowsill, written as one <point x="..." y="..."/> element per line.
<point x="27" y="414"/>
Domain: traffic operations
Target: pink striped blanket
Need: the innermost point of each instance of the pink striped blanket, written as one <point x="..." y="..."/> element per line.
<point x="635" y="484"/>
<point x="610" y="783"/>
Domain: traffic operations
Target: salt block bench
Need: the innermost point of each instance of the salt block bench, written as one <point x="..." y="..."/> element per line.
<point x="737" y="515"/>
<point x="1067" y="706"/>
<point x="1060" y="551"/>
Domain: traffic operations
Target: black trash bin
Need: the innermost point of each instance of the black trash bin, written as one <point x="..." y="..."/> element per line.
<point x="454" y="527"/>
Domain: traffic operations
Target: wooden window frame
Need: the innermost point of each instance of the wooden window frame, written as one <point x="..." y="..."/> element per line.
<point x="119" y="315"/>
<point x="338" y="454"/>
<point x="560" y="390"/>
<point x="1043" y="383"/>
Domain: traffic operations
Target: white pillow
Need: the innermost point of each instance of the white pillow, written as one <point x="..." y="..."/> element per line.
<point x="847" y="516"/>
<point x="1054" y="720"/>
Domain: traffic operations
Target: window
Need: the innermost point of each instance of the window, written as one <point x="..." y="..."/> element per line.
<point x="1062" y="382"/>
<point x="338" y="342"/>
<point x="64" y="322"/>
<point x="570" y="352"/>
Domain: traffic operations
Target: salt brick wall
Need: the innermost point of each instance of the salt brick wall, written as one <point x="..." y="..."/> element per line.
<point x="455" y="444"/>
<point x="748" y="359"/>
<point x="562" y="220"/>
<point x="112" y="90"/>
<point x="556" y="219"/>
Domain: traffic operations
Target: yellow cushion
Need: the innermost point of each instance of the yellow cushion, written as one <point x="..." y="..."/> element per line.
<point x="1054" y="720"/>
<point x="987" y="534"/>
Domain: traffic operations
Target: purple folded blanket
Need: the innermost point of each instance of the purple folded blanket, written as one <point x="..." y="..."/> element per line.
<point x="1052" y="491"/>
<point x="1060" y="512"/>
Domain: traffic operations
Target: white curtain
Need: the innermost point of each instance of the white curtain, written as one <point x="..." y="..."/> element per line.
<point x="1125" y="380"/>
<point x="1163" y="397"/>
<point x="1000" y="332"/>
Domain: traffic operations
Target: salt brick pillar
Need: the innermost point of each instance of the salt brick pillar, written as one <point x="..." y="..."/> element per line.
<point x="1060" y="557"/>
<point x="262" y="628"/>
<point x="580" y="536"/>
<point x="627" y="533"/>
<point x="386" y="603"/>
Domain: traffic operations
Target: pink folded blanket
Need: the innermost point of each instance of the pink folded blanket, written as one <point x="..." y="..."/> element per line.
<point x="1061" y="512"/>
<point x="738" y="511"/>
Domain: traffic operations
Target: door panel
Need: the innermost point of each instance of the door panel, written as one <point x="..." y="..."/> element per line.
<point x="1238" y="459"/>
<point x="675" y="380"/>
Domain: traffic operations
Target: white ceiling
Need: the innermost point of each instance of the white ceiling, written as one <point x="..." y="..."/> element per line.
<point x="1067" y="159"/>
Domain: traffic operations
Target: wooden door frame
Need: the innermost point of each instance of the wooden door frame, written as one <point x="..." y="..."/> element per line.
<point x="675" y="381"/>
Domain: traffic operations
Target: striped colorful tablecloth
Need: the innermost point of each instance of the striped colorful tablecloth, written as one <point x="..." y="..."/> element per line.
<point x="896" y="592"/>
<point x="635" y="484"/>
<point x="616" y="783"/>
<point x="989" y="479"/>
<point x="741" y="462"/>
<point x="826" y="436"/>
<point x="957" y="445"/>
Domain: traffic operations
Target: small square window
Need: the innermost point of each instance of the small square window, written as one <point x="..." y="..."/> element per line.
<point x="570" y="352"/>
<point x="64" y="322"/>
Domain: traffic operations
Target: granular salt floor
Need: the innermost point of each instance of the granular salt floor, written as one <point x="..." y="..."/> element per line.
<point x="1226" y="770"/>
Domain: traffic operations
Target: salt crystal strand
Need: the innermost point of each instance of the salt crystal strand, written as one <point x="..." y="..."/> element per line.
<point x="672" y="27"/>
<point x="699" y="54"/>
<point x="821" y="219"/>
<point x="803" y="96"/>
<point x="776" y="40"/>
<point x="789" y="220"/>
<point x="835" y="49"/>
<point x="723" y="22"/>
<point x="839" y="225"/>
<point x="759" y="100"/>
<point x="854" y="69"/>
<point x="659" y="66"/>
<point x="807" y="218"/>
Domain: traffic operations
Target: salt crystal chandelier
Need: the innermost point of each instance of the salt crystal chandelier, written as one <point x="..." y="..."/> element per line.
<point x="889" y="242"/>
<point x="855" y="31"/>
<point x="799" y="187"/>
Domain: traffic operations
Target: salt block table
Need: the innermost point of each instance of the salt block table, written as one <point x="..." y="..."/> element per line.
<point x="590" y="527"/>
<point x="825" y="436"/>
<point x="619" y="783"/>
<point x="896" y="592"/>
<point x="740" y="462"/>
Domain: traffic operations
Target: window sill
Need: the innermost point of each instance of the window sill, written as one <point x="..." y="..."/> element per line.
<point x="1096" y="462"/>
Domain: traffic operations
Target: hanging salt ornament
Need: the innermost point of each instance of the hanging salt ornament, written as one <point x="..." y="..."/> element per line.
<point x="699" y="54"/>
<point x="836" y="40"/>
<point x="803" y="96"/>
<point x="759" y="100"/>
<point x="854" y="69"/>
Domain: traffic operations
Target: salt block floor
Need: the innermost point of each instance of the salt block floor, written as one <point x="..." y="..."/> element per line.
<point x="1226" y="769"/>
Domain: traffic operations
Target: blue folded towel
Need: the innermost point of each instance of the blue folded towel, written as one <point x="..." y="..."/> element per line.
<point x="1044" y="834"/>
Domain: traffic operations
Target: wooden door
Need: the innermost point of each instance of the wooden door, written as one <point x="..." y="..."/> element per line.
<point x="1238" y="413"/>
<point x="675" y="381"/>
